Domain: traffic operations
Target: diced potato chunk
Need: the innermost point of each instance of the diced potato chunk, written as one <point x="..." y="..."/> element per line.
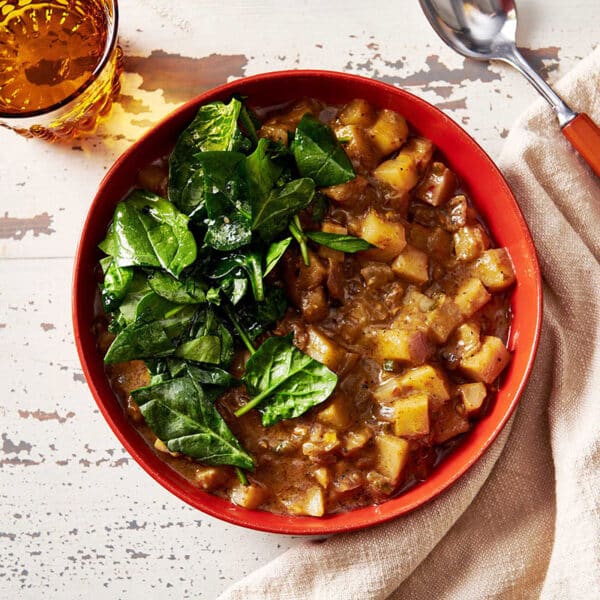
<point x="443" y="319"/>
<point x="347" y="193"/>
<point x="412" y="264"/>
<point x="470" y="242"/>
<point x="389" y="131"/>
<point x="162" y="447"/>
<point x="358" y="145"/>
<point x="404" y="345"/>
<point x="275" y="132"/>
<point x="336" y="413"/>
<point x="312" y="503"/>
<point x="420" y="150"/>
<point x="357" y="112"/>
<point x="388" y="237"/>
<point x="486" y="364"/>
<point x="411" y="415"/>
<point x="472" y="396"/>
<point x="424" y="379"/>
<point x="399" y="173"/>
<point x="323" y="477"/>
<point x="391" y="456"/>
<point x="356" y="439"/>
<point x="495" y="269"/>
<point x="449" y="424"/>
<point x="332" y="227"/>
<point x="336" y="256"/>
<point x="471" y="296"/>
<point x="248" y="496"/>
<point x="323" y="349"/>
<point x="209" y="478"/>
<point x="438" y="185"/>
<point x="428" y="379"/>
<point x="467" y="339"/>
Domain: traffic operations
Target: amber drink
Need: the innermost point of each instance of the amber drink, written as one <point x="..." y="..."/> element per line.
<point x="59" y="65"/>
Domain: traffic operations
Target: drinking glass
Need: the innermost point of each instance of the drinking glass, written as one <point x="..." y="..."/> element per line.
<point x="59" y="65"/>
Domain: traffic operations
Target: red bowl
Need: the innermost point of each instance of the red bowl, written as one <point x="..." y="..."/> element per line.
<point x="489" y="192"/>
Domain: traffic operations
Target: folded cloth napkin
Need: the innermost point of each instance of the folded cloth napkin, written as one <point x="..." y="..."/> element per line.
<point x="524" y="522"/>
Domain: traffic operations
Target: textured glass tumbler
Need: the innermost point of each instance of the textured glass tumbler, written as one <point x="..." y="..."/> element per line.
<point x="59" y="65"/>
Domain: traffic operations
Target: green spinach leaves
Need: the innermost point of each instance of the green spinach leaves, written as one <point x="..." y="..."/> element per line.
<point x="188" y="279"/>
<point x="319" y="155"/>
<point x="148" y="231"/>
<point x="181" y="415"/>
<point x="285" y="381"/>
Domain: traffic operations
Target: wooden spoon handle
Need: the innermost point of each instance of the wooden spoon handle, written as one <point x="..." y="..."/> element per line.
<point x="584" y="136"/>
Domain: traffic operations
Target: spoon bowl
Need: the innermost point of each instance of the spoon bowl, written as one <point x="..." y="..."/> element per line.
<point x="479" y="29"/>
<point x="487" y="30"/>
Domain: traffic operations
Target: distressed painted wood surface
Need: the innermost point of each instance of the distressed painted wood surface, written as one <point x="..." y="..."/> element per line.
<point x="79" y="518"/>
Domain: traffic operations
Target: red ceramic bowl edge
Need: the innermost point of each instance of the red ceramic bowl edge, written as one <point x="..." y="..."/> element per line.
<point x="260" y="520"/>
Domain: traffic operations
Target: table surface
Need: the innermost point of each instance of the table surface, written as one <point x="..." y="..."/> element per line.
<point x="77" y="514"/>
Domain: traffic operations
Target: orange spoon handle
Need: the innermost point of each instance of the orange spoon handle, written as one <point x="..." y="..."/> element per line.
<point x="584" y="136"/>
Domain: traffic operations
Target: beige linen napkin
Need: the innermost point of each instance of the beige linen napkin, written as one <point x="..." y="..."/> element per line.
<point x="525" y="521"/>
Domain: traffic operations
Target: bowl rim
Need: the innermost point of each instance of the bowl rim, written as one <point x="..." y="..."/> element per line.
<point x="261" y="520"/>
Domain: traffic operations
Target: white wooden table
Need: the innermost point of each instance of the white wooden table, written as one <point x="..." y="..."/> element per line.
<point x="78" y="517"/>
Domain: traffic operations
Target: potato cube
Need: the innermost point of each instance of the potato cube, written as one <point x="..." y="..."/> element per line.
<point x="420" y="150"/>
<point x="350" y="192"/>
<point x="399" y="173"/>
<point x="486" y="364"/>
<point x="388" y="237"/>
<point x="471" y="296"/>
<point x="443" y="319"/>
<point x="358" y="145"/>
<point x="322" y="476"/>
<point x="470" y="242"/>
<point x="412" y="264"/>
<point x="335" y="256"/>
<point x="357" y="112"/>
<point x="438" y="185"/>
<point x="323" y="349"/>
<point x="472" y="396"/>
<point x="336" y="413"/>
<point x="495" y="269"/>
<point x="356" y="439"/>
<point x="162" y="447"/>
<point x="275" y="132"/>
<point x="449" y="424"/>
<point x="210" y="478"/>
<point x="312" y="503"/>
<point x="248" y="496"/>
<point x="391" y="456"/>
<point x="467" y="339"/>
<point x="424" y="379"/>
<point x="389" y="131"/>
<point x="404" y="345"/>
<point x="332" y="227"/>
<point x="411" y="415"/>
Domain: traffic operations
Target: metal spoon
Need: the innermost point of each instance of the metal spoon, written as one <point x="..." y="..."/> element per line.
<point x="486" y="30"/>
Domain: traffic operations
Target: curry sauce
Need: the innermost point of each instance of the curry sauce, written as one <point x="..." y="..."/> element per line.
<point x="415" y="328"/>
